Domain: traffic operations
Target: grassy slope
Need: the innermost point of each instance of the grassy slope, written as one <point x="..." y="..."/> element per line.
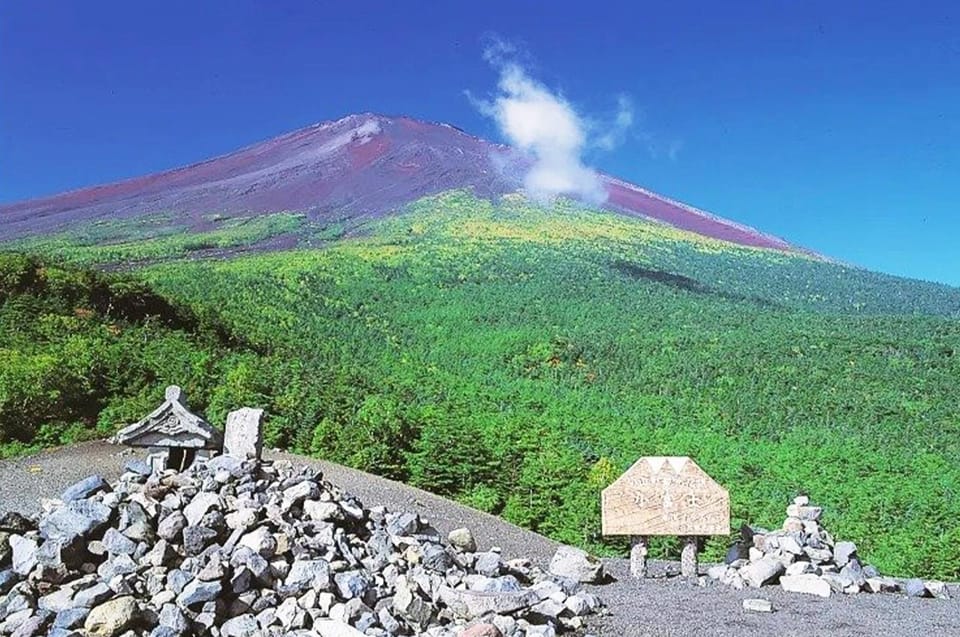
<point x="519" y="359"/>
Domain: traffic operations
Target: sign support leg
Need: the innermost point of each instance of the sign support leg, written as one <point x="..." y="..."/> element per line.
<point x="638" y="556"/>
<point x="688" y="557"/>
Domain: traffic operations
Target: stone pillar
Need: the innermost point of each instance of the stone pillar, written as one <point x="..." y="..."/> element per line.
<point x="688" y="557"/>
<point x="638" y="556"/>
<point x="243" y="435"/>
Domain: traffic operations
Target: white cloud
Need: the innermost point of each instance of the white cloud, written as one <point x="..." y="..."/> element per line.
<point x="547" y="127"/>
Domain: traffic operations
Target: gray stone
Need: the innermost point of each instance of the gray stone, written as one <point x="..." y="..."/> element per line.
<point x="790" y="545"/>
<point x="90" y="597"/>
<point x="75" y="519"/>
<point x="119" y="565"/>
<point x="334" y="628"/>
<point x="111" y="618"/>
<point x="32" y="626"/>
<point x="576" y="564"/>
<point x="138" y="467"/>
<point x="241" y="626"/>
<point x="408" y="604"/>
<point x="507" y="583"/>
<point x="85" y="488"/>
<point x="71" y="617"/>
<point x="488" y="564"/>
<point x="56" y="601"/>
<point x="915" y="587"/>
<point x="437" y="558"/>
<point x="171" y="526"/>
<point x="306" y="574"/>
<point x="177" y="580"/>
<point x="403" y="524"/>
<point x="809" y="584"/>
<point x="323" y="511"/>
<point x="8" y="578"/>
<point x="199" y="506"/>
<point x="196" y="539"/>
<point x="117" y="543"/>
<point x="548" y="609"/>
<point x="462" y="539"/>
<point x="351" y="584"/>
<point x="473" y="604"/>
<point x="297" y="493"/>
<point x="937" y="589"/>
<point x="243" y="435"/>
<point x="261" y="541"/>
<point x="388" y="621"/>
<point x="172" y="617"/>
<point x="24" y="554"/>
<point x="197" y="592"/>
<point x="765" y="571"/>
<point x="843" y="552"/>
<point x="756" y="605"/>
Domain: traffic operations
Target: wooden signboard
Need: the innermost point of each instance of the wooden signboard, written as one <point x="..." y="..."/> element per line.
<point x="661" y="495"/>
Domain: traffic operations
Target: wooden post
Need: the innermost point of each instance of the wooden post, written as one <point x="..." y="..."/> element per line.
<point x="638" y="556"/>
<point x="688" y="557"/>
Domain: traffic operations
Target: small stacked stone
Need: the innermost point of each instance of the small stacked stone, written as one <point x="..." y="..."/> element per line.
<point x="236" y="548"/>
<point x="802" y="557"/>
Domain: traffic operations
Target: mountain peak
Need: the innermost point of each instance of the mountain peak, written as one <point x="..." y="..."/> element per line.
<point x="362" y="165"/>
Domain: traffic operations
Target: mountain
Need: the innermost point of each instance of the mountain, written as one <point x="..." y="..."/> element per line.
<point x="511" y="355"/>
<point x="356" y="168"/>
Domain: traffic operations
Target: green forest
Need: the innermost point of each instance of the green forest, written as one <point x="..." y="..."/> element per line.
<point x="517" y="359"/>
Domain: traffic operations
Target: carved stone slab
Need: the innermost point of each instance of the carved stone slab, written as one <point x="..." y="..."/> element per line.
<point x="665" y="495"/>
<point x="243" y="436"/>
<point x="171" y="425"/>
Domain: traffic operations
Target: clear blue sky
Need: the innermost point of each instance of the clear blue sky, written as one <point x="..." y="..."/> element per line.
<point x="835" y="125"/>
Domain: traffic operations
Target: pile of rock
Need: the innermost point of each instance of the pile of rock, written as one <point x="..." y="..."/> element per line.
<point x="236" y="548"/>
<point x="802" y="557"/>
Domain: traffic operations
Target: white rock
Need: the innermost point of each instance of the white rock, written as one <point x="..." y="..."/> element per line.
<point x="758" y="605"/>
<point x="576" y="564"/>
<point x="809" y="584"/>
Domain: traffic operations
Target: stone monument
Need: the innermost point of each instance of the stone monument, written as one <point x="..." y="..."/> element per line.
<point x="243" y="437"/>
<point x="663" y="495"/>
<point x="173" y="434"/>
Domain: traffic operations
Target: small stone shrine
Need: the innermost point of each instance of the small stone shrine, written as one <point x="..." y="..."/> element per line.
<point x="662" y="495"/>
<point x="173" y="434"/>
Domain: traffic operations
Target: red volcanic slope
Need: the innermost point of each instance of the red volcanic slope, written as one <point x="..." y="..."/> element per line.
<point x="358" y="167"/>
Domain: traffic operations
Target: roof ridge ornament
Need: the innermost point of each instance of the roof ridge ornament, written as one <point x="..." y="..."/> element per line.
<point x="171" y="424"/>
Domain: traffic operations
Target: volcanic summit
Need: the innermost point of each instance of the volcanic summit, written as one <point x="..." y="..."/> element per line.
<point x="361" y="166"/>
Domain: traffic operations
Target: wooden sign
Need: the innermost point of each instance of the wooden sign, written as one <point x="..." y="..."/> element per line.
<point x="661" y="495"/>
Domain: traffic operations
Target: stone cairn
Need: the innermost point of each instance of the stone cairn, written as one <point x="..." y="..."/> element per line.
<point x="802" y="557"/>
<point x="233" y="547"/>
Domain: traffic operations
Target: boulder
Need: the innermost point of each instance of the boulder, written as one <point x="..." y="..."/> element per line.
<point x="576" y="564"/>
<point x="808" y="584"/>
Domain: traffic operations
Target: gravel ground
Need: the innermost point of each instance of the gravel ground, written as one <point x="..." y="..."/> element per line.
<point x="662" y="606"/>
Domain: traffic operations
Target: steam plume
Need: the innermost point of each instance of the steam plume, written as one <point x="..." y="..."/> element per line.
<point x="546" y="126"/>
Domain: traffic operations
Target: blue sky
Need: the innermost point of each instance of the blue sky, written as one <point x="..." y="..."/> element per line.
<point x="833" y="125"/>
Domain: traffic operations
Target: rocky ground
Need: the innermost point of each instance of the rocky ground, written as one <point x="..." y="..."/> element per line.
<point x="663" y="605"/>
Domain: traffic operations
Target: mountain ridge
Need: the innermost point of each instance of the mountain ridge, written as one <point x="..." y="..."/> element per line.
<point x="360" y="166"/>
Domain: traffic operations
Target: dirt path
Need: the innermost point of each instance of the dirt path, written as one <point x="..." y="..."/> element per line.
<point x="660" y="607"/>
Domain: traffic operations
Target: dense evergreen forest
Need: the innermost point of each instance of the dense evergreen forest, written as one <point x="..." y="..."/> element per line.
<point x="517" y="359"/>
